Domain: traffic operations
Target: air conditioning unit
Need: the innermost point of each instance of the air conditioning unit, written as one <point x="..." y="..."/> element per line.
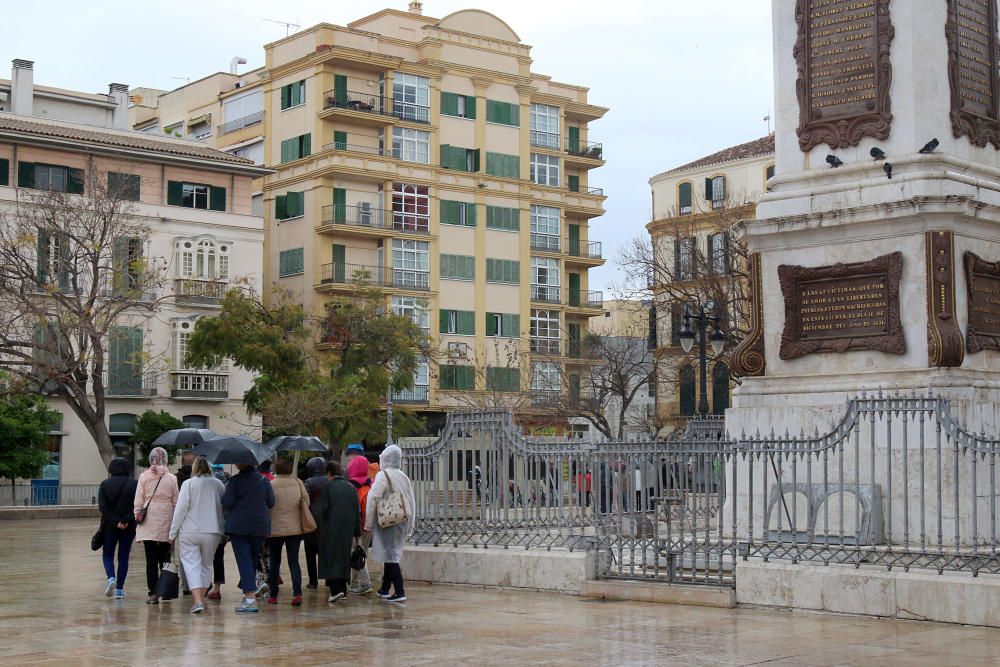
<point x="458" y="350"/>
<point x="364" y="213"/>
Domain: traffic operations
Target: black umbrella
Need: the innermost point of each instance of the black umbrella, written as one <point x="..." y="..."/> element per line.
<point x="233" y="449"/>
<point x="296" y="443"/>
<point x="183" y="437"/>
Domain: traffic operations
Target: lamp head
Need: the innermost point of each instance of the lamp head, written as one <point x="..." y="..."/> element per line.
<point x="718" y="340"/>
<point x="686" y="336"/>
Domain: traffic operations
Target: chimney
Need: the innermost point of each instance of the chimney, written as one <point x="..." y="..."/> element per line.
<point x="119" y="116"/>
<point x="416" y="7"/>
<point x="22" y="87"/>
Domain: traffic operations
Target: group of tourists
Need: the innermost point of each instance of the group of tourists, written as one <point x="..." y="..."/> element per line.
<point x="190" y="517"/>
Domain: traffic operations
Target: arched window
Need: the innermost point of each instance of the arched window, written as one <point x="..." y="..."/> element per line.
<point x="195" y="421"/>
<point x="202" y="259"/>
<point x="686" y="390"/>
<point x="720" y="389"/>
<point x="684" y="198"/>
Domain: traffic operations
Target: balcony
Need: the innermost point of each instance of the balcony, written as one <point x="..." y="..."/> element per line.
<point x="240" y="123"/>
<point x="129" y="384"/>
<point x="194" y="292"/>
<point x="356" y="148"/>
<point x="545" y="242"/>
<point x="416" y="394"/>
<point x="584" y="189"/>
<point x="588" y="249"/>
<point x="373" y="219"/>
<point x="546" y="346"/>
<point x="362" y="107"/>
<point x="545" y="398"/>
<point x="591" y="299"/>
<point x="584" y="149"/>
<point x="415" y="113"/>
<point x="545" y="293"/>
<point x="544" y="140"/>
<point x="199" y="386"/>
<point x="581" y="349"/>
<point x="373" y="276"/>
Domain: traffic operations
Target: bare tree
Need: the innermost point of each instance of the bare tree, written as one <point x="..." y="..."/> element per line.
<point x="500" y="367"/>
<point x="72" y="271"/>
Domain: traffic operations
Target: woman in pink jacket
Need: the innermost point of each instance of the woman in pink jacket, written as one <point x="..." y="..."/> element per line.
<point x="156" y="495"/>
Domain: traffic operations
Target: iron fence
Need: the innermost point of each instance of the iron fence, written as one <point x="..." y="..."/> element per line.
<point x="46" y="493"/>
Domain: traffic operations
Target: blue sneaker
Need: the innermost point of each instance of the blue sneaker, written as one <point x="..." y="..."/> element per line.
<point x="110" y="587"/>
<point x="248" y="607"/>
<point x="119" y="594"/>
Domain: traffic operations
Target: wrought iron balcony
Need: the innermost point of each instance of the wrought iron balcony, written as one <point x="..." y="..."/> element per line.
<point x="587" y="190"/>
<point x="415" y="394"/>
<point x="374" y="276"/>
<point x="588" y="149"/>
<point x="545" y="293"/>
<point x="547" y="242"/>
<point x="129" y="383"/>
<point x="545" y="398"/>
<point x="416" y="113"/>
<point x="203" y="386"/>
<point x="365" y="215"/>
<point x="591" y="249"/>
<point x="550" y="346"/>
<point x="581" y="349"/>
<point x="355" y="148"/>
<point x="544" y="139"/>
<point x="581" y="298"/>
<point x="198" y="291"/>
<point x="240" y="123"/>
<point x="355" y="101"/>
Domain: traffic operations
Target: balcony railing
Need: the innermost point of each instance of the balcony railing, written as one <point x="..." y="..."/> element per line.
<point x="195" y="291"/>
<point x="374" y="276"/>
<point x="354" y="101"/>
<point x="545" y="398"/>
<point x="582" y="148"/>
<point x="545" y="293"/>
<point x="587" y="190"/>
<point x="547" y="242"/>
<point x="129" y="385"/>
<point x="355" y="148"/>
<point x="591" y="249"/>
<point x="545" y="345"/>
<point x="240" y="123"/>
<point x="581" y="298"/>
<point x="204" y="386"/>
<point x="415" y="394"/>
<point x="580" y="349"/>
<point x="544" y="139"/>
<point x="365" y="215"/>
<point x="416" y="113"/>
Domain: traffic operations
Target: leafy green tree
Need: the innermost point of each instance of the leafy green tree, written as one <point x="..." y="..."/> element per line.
<point x="149" y="426"/>
<point x="25" y="422"/>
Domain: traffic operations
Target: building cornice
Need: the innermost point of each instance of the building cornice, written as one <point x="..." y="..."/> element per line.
<point x="666" y="226"/>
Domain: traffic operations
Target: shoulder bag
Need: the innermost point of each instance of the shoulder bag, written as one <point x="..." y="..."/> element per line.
<point x="305" y="514"/>
<point x="141" y="514"/>
<point x="391" y="511"/>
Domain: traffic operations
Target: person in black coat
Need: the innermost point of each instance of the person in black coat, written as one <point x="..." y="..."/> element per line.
<point x="248" y="501"/>
<point x="114" y="498"/>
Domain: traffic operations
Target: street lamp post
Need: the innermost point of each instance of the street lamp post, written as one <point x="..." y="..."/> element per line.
<point x="717" y="339"/>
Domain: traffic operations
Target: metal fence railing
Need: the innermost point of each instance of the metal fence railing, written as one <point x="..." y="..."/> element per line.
<point x="44" y="493"/>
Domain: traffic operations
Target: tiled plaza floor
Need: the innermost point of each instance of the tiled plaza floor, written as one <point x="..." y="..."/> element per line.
<point x="52" y="611"/>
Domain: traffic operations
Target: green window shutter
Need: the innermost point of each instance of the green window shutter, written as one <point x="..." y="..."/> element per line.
<point x="708" y="189"/>
<point x="281" y="207"/>
<point x="684" y="195"/>
<point x="491" y="217"/>
<point x="340" y="140"/>
<point x="466" y="323"/>
<point x="445" y="156"/>
<point x="25" y="174"/>
<point x="339" y="263"/>
<point x="449" y="104"/>
<point x="444" y="317"/>
<point x="175" y="193"/>
<point x="491" y="269"/>
<point x="296" y="94"/>
<point x="286" y="96"/>
<point x="470" y="215"/>
<point x="295" y="204"/>
<point x="291" y="262"/>
<point x="515" y="115"/>
<point x="306" y="145"/>
<point x="475" y="160"/>
<point x="288" y="147"/>
<point x="573" y="183"/>
<point x="42" y="255"/>
<point x="491" y="111"/>
<point x="282" y="263"/>
<point x="446" y="380"/>
<point x="74" y="181"/>
<point x="340" y="88"/>
<point x="217" y="198"/>
<point x="449" y="212"/>
<point x="470" y="106"/>
<point x="467" y="377"/>
<point x="574" y="240"/>
<point x="574" y="139"/>
<point x="491" y="323"/>
<point x="4" y="171"/>
<point x="503" y="113"/>
<point x="515" y="326"/>
<point x="339" y="205"/>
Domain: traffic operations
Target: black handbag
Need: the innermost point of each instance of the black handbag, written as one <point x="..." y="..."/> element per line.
<point x="97" y="541"/>
<point x="358" y="557"/>
<point x="169" y="584"/>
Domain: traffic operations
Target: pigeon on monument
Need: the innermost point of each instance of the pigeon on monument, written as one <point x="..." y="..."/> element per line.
<point x="834" y="161"/>
<point x="877" y="153"/>
<point x="887" y="168"/>
<point x="930" y="146"/>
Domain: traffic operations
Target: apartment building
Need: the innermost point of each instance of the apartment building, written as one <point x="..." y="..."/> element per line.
<point x="694" y="206"/>
<point x="196" y="202"/>
<point x="424" y="157"/>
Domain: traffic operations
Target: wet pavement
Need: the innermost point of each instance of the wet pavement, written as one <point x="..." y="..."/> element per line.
<point x="52" y="611"/>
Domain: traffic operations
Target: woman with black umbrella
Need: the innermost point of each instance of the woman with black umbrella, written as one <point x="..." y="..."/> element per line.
<point x="248" y="501"/>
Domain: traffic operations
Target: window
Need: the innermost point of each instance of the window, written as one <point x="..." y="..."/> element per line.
<point x="503" y="379"/>
<point x="411" y="207"/>
<point x="201" y="128"/>
<point x="651" y="330"/>
<point x="195" y="421"/>
<point x="196" y="195"/>
<point x="768" y="175"/>
<point x="459" y="159"/>
<point x="182" y="330"/>
<point x="296" y="148"/>
<point x="289" y="205"/>
<point x="123" y="186"/>
<point x="503" y="113"/>
<point x="720" y="389"/>
<point x="291" y="262"/>
<point x="544" y="227"/>
<point x="461" y="106"/>
<point x="125" y="361"/>
<point x="457" y="378"/>
<point x="501" y="164"/>
<point x="651" y="385"/>
<point x="414" y="308"/>
<point x="202" y="259"/>
<point x="544" y="331"/>
<point x="545" y="279"/>
<point x="458" y="267"/>
<point x="545" y="169"/>
<point x="51" y="177"/>
<point x="411" y="145"/>
<point x="127" y="261"/>
<point x="410" y="263"/>
<point x="715" y="191"/>
<point x="53" y="259"/>
<point x="257" y="205"/>
<point x="254" y="151"/>
<point x="545" y="126"/>
<point x="458" y="322"/>
<point x="545" y="376"/>
<point x="498" y="217"/>
<point x="458" y="213"/>
<point x="411" y="97"/>
<point x="239" y="112"/>
<point x="684" y="259"/>
<point x="718" y="251"/>
<point x="503" y="271"/>
<point x="293" y="94"/>
<point x="686" y="390"/>
<point x="684" y="198"/>
<point x="503" y="325"/>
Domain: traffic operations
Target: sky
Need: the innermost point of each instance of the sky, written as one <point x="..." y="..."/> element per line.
<point x="682" y="79"/>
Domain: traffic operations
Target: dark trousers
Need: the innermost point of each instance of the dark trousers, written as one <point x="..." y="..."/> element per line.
<point x="312" y="554"/>
<point x="247" y="549"/>
<point x="122" y="541"/>
<point x="157" y="554"/>
<point x="291" y="544"/>
<point x="392" y="575"/>
<point x="219" y="563"/>
<point x="337" y="586"/>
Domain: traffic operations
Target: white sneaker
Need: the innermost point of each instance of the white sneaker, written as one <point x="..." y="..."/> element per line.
<point x="262" y="590"/>
<point x="109" y="589"/>
<point x="334" y="598"/>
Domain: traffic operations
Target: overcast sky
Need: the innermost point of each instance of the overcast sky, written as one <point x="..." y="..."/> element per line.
<point x="682" y="79"/>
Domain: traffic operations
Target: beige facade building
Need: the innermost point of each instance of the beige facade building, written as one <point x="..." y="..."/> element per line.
<point x="694" y="206"/>
<point x="196" y="203"/>
<point x="425" y="157"/>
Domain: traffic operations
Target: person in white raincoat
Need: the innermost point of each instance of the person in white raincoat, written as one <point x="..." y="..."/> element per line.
<point x="387" y="543"/>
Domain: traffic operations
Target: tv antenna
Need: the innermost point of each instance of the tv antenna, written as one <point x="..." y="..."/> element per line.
<point x="767" y="119"/>
<point x="288" y="26"/>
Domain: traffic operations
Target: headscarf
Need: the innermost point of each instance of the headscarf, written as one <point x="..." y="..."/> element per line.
<point x="357" y="471"/>
<point x="316" y="466"/>
<point x="391" y="457"/>
<point x="158" y="461"/>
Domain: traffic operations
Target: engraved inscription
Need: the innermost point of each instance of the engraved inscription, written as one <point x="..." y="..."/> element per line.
<point x="856" y="306"/>
<point x="972" y="67"/>
<point x="984" y="307"/>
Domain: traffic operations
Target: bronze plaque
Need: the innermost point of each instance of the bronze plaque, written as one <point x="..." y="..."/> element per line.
<point x="842" y="53"/>
<point x="972" y="69"/>
<point x="842" y="307"/>
<point x="982" y="280"/>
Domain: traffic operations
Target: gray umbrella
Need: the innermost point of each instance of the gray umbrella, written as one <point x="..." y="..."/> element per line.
<point x="183" y="437"/>
<point x="296" y="443"/>
<point x="233" y="449"/>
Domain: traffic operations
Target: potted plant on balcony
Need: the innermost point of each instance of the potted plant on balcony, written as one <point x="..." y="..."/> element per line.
<point x="595" y="152"/>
